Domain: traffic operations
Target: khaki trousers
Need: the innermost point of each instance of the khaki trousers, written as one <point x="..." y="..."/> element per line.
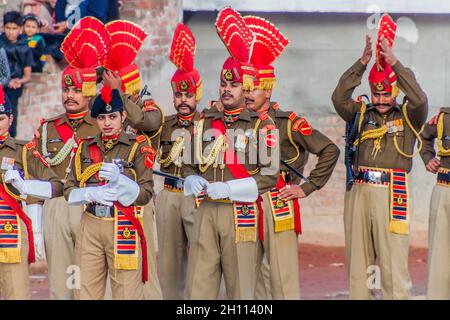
<point x="370" y="247"/>
<point x="439" y="244"/>
<point x="94" y="254"/>
<point x="214" y="252"/>
<point x="281" y="253"/>
<point x="14" y="277"/>
<point x="152" y="288"/>
<point x="175" y="218"/>
<point x="60" y="224"/>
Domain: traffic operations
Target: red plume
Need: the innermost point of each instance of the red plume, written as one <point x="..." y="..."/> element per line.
<point x="237" y="37"/>
<point x="2" y="95"/>
<point x="386" y="29"/>
<point x="126" y="41"/>
<point x="106" y="94"/>
<point x="87" y="44"/>
<point x="182" y="51"/>
<point x="269" y="41"/>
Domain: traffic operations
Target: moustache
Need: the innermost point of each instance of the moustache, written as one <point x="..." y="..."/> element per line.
<point x="181" y="105"/>
<point x="249" y="101"/>
<point x="381" y="105"/>
<point x="227" y="95"/>
<point x="70" y="101"/>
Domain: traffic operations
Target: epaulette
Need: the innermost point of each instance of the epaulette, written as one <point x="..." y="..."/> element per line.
<point x="276" y="106"/>
<point x="202" y="116"/>
<point x="30" y="145"/>
<point x="140" y="138"/>
<point x="264" y="116"/>
<point x="51" y="119"/>
<point x="292" y="116"/>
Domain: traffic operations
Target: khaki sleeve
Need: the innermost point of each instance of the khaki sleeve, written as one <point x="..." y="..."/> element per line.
<point x="144" y="177"/>
<point x="37" y="170"/>
<point x="72" y="182"/>
<point x="147" y="121"/>
<point x="268" y="157"/>
<point x="327" y="153"/>
<point x="428" y="136"/>
<point x="342" y="99"/>
<point x="418" y="102"/>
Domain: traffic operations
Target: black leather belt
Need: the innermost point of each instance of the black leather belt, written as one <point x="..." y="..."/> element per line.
<point x="373" y="176"/>
<point x="173" y="184"/>
<point x="100" y="211"/>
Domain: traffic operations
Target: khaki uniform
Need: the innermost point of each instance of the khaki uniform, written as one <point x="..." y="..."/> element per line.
<point x="14" y="277"/>
<point x="297" y="140"/>
<point x="60" y="222"/>
<point x="95" y="249"/>
<point x="217" y="245"/>
<point x="439" y="220"/>
<point x="147" y="117"/>
<point x="174" y="211"/>
<point x="367" y="213"/>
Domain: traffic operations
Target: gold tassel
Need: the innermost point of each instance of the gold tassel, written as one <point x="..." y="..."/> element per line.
<point x="89" y="89"/>
<point x="199" y="92"/>
<point x="399" y="227"/>
<point x="285" y="224"/>
<point x="245" y="234"/>
<point x="125" y="262"/>
<point x="133" y="87"/>
<point x="267" y="84"/>
<point x="247" y="83"/>
<point x="10" y="255"/>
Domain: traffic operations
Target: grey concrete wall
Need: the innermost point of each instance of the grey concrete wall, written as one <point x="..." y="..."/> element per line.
<point x="322" y="47"/>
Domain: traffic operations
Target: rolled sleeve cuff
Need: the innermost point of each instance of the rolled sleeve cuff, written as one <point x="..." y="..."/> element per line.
<point x="308" y="188"/>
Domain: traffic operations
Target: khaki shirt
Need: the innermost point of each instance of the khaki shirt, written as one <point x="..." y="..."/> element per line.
<point x="388" y="157"/>
<point x="54" y="143"/>
<point x="34" y="167"/>
<point x="306" y="139"/>
<point x="169" y="134"/>
<point x="145" y="116"/>
<point x="429" y="135"/>
<point x="134" y="169"/>
<point x="248" y="152"/>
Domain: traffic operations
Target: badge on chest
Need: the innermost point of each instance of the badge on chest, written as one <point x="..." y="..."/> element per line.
<point x="394" y="126"/>
<point x="7" y="163"/>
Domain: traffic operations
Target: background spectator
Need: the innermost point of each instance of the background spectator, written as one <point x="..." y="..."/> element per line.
<point x="20" y="60"/>
<point x="43" y="9"/>
<point x="31" y="26"/>
<point x="5" y="74"/>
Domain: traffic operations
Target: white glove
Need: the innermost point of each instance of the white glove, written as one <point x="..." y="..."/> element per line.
<point x="194" y="185"/>
<point x="218" y="190"/>
<point x="34" y="188"/>
<point x="110" y="172"/>
<point x="34" y="211"/>
<point x="243" y="190"/>
<point x="14" y="177"/>
<point x="101" y="194"/>
<point x="38" y="245"/>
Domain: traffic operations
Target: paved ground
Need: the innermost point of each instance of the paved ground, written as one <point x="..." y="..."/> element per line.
<point x="322" y="273"/>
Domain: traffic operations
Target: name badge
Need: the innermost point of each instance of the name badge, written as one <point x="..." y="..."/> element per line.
<point x="87" y="160"/>
<point x="8" y="163"/>
<point x="446" y="138"/>
<point x="55" y="140"/>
